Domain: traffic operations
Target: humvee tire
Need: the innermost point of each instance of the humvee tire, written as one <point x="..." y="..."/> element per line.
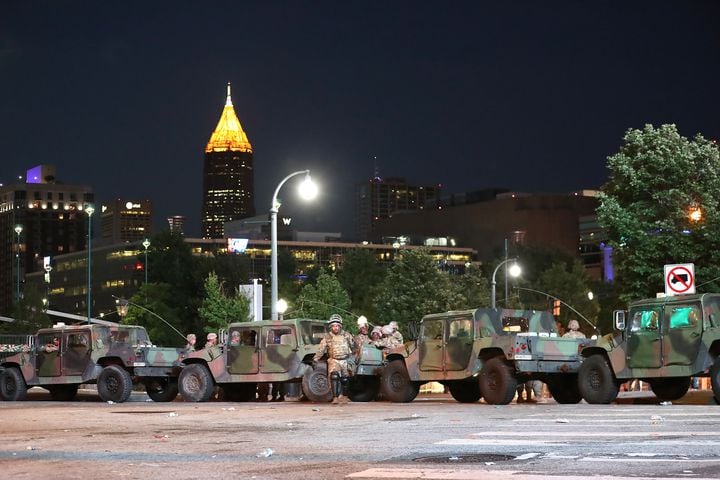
<point x="162" y="389"/>
<point x="497" y="382"/>
<point x="596" y="380"/>
<point x="564" y="388"/>
<point x="62" y="393"/>
<point x="239" y="392"/>
<point x="715" y="379"/>
<point x="114" y="384"/>
<point x="316" y="386"/>
<point x="363" y="388"/>
<point x="196" y="383"/>
<point x="395" y="384"/>
<point x="465" y="391"/>
<point x="12" y="385"/>
<point x="670" y="388"/>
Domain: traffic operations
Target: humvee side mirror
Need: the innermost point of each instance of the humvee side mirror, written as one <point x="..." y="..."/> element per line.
<point x="413" y="330"/>
<point x="619" y="317"/>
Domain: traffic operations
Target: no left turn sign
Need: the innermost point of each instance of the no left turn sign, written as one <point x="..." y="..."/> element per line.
<point x="679" y="279"/>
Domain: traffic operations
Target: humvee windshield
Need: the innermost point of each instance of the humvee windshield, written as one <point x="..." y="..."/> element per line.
<point x="131" y="336"/>
<point x="515" y="324"/>
<point x="311" y="333"/>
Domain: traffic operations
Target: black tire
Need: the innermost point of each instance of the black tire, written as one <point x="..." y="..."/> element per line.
<point x="670" y="388"/>
<point x="12" y="385"/>
<point x="363" y="388"/>
<point x="316" y="385"/>
<point x="564" y="388"/>
<point x="497" y="382"/>
<point x="395" y="384"/>
<point x="596" y="380"/>
<point x="239" y="392"/>
<point x="196" y="383"/>
<point x="465" y="391"/>
<point x="114" y="384"/>
<point x="162" y="389"/>
<point x="715" y="379"/>
<point x="62" y="393"/>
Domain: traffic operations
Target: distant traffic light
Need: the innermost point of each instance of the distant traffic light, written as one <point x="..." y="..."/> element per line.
<point x="556" y="308"/>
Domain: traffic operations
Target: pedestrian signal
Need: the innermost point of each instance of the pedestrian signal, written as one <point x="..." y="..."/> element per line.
<point x="556" y="308"/>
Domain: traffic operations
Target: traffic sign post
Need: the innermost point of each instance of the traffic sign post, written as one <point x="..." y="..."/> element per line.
<point x="679" y="279"/>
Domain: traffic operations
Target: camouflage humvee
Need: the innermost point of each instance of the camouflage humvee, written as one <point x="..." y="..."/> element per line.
<point x="63" y="357"/>
<point x="663" y="341"/>
<point x="252" y="353"/>
<point x="484" y="353"/>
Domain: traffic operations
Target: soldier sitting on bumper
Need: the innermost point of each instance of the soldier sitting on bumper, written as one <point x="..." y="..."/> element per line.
<point x="339" y="347"/>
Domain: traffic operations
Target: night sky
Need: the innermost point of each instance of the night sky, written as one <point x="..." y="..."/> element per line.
<point x="531" y="96"/>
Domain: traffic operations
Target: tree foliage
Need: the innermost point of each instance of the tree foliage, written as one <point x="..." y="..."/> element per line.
<point x="656" y="179"/>
<point x="325" y="297"/>
<point x="472" y="288"/>
<point x="152" y="306"/>
<point x="361" y="276"/>
<point x="29" y="313"/>
<point x="414" y="287"/>
<point x="218" y="309"/>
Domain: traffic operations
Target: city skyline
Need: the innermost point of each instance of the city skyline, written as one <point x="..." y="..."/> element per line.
<point x="526" y="96"/>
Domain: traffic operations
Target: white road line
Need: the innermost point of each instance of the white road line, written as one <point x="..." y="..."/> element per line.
<point x="483" y="474"/>
<point x="654" y="434"/>
<point x="538" y="443"/>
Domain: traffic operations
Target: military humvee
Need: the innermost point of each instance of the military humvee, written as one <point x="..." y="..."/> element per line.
<point x="63" y="357"/>
<point x="484" y="353"/>
<point x="663" y="341"/>
<point x="252" y="353"/>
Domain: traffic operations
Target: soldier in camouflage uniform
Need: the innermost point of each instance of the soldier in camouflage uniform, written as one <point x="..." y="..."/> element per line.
<point x="339" y="347"/>
<point x="396" y="333"/>
<point x="574" y="330"/>
<point x="362" y="337"/>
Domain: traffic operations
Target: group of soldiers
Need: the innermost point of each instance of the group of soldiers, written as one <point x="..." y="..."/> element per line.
<point x="342" y="348"/>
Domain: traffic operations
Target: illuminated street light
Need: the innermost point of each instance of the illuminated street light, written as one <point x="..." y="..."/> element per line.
<point x="281" y="308"/>
<point x="513" y="271"/>
<point x="308" y="190"/>
<point x="18" y="231"/>
<point x="89" y="210"/>
<point x="146" y="244"/>
<point x="695" y="214"/>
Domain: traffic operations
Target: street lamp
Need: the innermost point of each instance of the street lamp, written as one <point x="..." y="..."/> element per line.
<point x="89" y="210"/>
<point x="281" y="308"/>
<point x="146" y="244"/>
<point x="18" y="231"/>
<point x="514" y="271"/>
<point x="308" y="190"/>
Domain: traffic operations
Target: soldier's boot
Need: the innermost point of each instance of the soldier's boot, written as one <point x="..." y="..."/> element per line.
<point x="336" y="386"/>
<point x="343" y="389"/>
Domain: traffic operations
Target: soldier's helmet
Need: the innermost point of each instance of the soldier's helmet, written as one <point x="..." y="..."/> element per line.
<point x="335" y="318"/>
<point x="212" y="336"/>
<point x="387" y="330"/>
<point x="376" y="330"/>
<point x="573" y="325"/>
<point x="362" y="321"/>
<point x="393" y="324"/>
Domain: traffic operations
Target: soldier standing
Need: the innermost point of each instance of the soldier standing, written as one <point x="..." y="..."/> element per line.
<point x="339" y="346"/>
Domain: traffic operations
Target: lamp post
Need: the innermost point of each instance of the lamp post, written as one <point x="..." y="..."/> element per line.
<point x="514" y="271"/>
<point x="18" y="231"/>
<point x="89" y="210"/>
<point x="146" y="244"/>
<point x="281" y="308"/>
<point x="308" y="191"/>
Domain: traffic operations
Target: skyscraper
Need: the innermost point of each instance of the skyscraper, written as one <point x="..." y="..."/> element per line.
<point x="125" y="220"/>
<point x="228" y="181"/>
<point x="38" y="218"/>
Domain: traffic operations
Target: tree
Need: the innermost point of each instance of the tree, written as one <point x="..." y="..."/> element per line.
<point x="218" y="310"/>
<point x="361" y="276"/>
<point x="657" y="179"/>
<point x="28" y="312"/>
<point x="324" y="298"/>
<point x="159" y="300"/>
<point x="472" y="287"/>
<point x="412" y="288"/>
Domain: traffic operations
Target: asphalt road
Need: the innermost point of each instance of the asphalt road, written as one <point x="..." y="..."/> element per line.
<point x="431" y="438"/>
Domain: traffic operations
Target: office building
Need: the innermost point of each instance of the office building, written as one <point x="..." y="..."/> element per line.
<point x="39" y="218"/>
<point x="123" y="220"/>
<point x="177" y="224"/>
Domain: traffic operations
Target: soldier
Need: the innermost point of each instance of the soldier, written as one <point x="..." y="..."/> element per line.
<point x="396" y="333"/>
<point x="339" y="347"/>
<point x="574" y="330"/>
<point x="211" y="340"/>
<point x="191" y="340"/>
<point x="362" y="336"/>
<point x="375" y="335"/>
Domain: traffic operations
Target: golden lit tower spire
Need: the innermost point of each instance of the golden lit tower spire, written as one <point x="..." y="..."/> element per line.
<point x="228" y="134"/>
<point x="228" y="179"/>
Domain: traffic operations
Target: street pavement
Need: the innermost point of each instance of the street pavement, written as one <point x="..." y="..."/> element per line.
<point x="433" y="437"/>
